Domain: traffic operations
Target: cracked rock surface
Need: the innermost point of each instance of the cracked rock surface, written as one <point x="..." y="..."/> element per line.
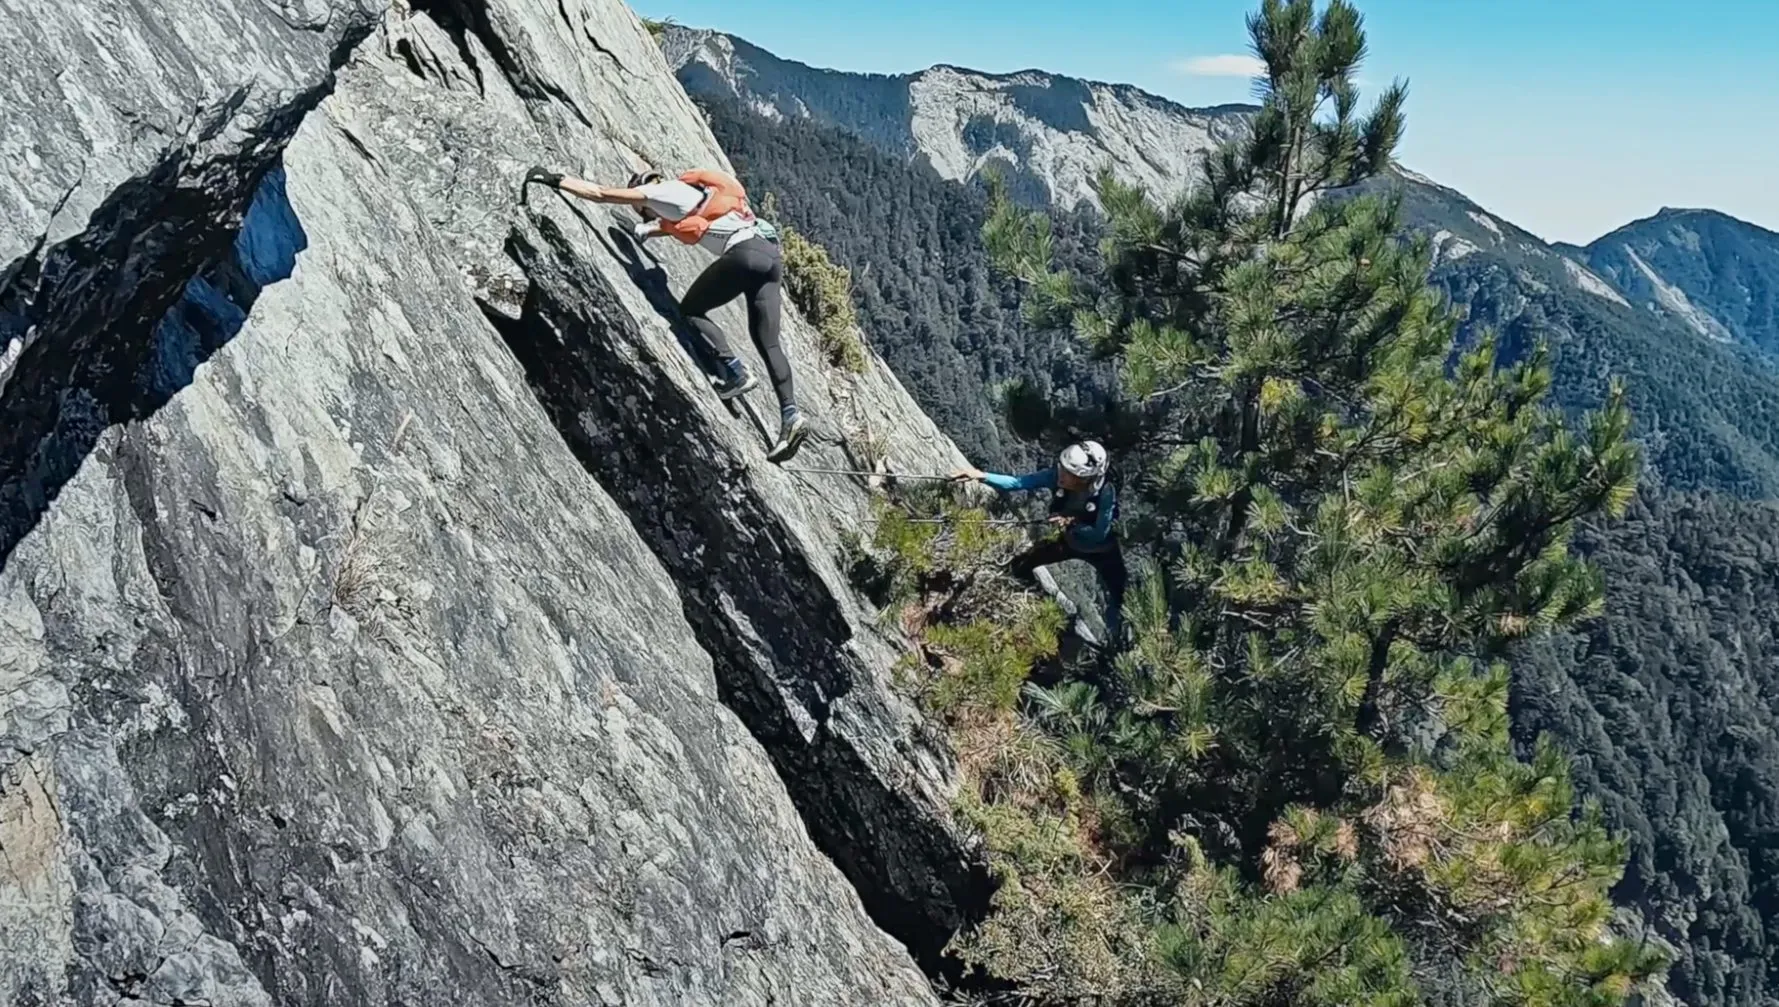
<point x="389" y="614"/>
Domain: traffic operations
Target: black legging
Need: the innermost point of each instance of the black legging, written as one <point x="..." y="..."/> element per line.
<point x="753" y="269"/>
<point x="1107" y="562"/>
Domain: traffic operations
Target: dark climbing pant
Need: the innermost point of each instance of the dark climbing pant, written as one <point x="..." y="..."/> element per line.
<point x="1107" y="562"/>
<point x="753" y="269"/>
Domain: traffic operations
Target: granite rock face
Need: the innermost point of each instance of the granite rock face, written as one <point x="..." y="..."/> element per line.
<point x="389" y="614"/>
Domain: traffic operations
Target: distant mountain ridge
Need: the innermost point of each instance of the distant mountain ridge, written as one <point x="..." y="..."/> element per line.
<point x="1050" y="133"/>
<point x="1714" y="273"/>
<point x="1699" y="271"/>
<point x="1681" y="334"/>
<point x="1707" y="407"/>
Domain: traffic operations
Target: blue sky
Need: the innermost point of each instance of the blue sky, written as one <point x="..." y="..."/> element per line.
<point x="1568" y="117"/>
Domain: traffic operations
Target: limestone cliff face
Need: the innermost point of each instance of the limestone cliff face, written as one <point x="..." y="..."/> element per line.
<point x="389" y="614"/>
<point x="1048" y="133"/>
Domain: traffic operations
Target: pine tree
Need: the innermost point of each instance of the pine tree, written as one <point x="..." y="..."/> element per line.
<point x="1350" y="524"/>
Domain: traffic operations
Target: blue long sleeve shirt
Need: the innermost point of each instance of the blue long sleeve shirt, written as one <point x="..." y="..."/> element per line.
<point x="1087" y="536"/>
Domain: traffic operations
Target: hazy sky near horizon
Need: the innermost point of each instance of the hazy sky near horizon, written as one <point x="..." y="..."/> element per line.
<point x="1567" y="118"/>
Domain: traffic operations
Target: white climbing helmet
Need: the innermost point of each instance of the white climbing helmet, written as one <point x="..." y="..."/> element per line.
<point x="1086" y="460"/>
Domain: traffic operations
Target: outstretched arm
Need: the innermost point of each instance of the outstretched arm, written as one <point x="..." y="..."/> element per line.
<point x="583" y="189"/>
<point x="599" y="194"/>
<point x="1042" y="479"/>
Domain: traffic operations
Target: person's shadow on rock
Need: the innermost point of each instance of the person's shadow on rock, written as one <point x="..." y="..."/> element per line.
<point x="650" y="277"/>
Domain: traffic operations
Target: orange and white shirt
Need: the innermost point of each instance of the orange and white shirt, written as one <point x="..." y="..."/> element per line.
<point x="712" y="213"/>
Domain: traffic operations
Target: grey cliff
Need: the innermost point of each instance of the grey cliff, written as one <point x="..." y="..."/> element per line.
<point x="389" y="613"/>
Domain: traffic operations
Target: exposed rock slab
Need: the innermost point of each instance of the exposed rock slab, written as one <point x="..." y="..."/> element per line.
<point x="132" y="143"/>
<point x="755" y="549"/>
<point x="365" y="667"/>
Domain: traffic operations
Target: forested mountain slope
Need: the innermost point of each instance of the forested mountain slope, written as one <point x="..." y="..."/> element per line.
<point x="1642" y="695"/>
<point x="1672" y="702"/>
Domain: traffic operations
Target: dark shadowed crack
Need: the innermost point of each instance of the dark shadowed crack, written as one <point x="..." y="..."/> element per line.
<point x="777" y="636"/>
<point x="543" y="982"/>
<point x="459" y="16"/>
<point x="91" y="302"/>
<point x="562" y="8"/>
<point x="451" y="17"/>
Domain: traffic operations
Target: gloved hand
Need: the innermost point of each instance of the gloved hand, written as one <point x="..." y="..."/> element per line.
<point x="538" y="176"/>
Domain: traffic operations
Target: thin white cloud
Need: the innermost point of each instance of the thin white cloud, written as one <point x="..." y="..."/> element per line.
<point x="1224" y="65"/>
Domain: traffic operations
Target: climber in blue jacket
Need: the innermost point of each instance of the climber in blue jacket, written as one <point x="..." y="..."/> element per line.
<point x="1085" y="505"/>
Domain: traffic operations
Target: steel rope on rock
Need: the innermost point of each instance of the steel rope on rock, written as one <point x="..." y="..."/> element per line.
<point x="918" y="477"/>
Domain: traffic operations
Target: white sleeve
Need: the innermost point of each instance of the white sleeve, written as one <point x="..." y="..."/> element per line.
<point x="672" y="200"/>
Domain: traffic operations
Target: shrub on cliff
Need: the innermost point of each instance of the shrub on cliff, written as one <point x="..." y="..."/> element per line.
<point x="822" y="291"/>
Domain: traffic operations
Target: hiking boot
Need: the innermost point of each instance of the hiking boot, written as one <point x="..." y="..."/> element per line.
<point x="790" y="436"/>
<point x="739" y="382"/>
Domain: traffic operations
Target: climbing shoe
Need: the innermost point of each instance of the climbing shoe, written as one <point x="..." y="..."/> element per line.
<point x="790" y="436"/>
<point x="739" y="381"/>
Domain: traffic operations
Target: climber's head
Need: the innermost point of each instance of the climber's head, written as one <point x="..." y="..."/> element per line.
<point x="647" y="176"/>
<point x="1081" y="466"/>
